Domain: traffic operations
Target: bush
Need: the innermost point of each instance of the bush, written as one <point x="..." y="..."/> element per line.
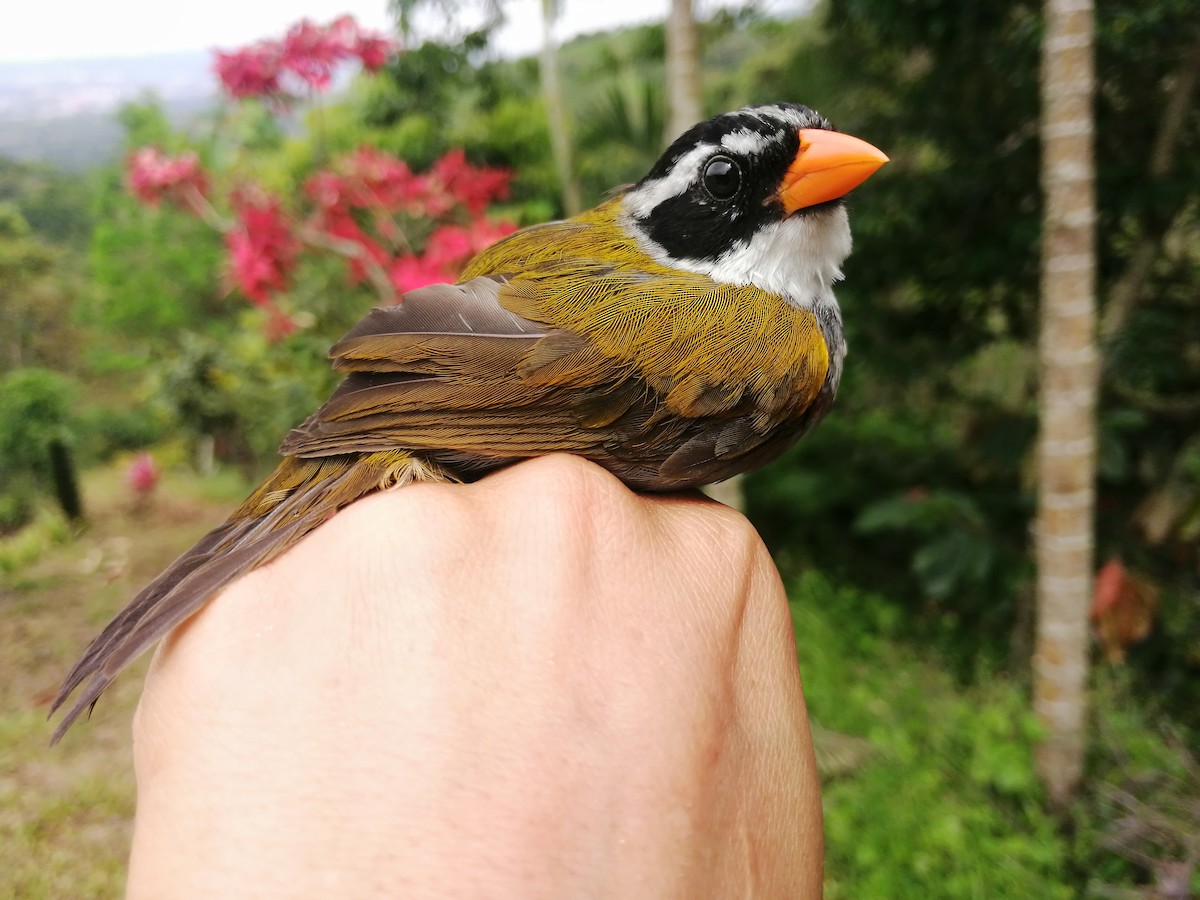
<point x="19" y="550"/>
<point x="244" y="392"/>
<point x="35" y="410"/>
<point x="108" y="430"/>
<point x="37" y="428"/>
<point x="948" y="804"/>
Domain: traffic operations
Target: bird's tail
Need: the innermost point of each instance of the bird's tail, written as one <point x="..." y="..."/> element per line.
<point x="294" y="500"/>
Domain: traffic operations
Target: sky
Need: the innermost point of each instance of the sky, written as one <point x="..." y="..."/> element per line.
<point x="37" y="30"/>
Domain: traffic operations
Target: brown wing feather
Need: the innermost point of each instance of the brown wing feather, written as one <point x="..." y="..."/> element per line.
<point x="440" y="372"/>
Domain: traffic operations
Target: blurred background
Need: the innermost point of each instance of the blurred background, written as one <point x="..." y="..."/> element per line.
<point x="195" y="203"/>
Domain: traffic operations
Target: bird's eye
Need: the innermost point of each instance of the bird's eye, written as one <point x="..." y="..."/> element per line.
<point x="722" y="177"/>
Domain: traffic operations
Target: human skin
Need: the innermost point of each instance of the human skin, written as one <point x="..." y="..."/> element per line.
<point x="539" y="685"/>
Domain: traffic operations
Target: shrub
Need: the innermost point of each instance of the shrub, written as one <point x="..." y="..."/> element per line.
<point x="36" y="432"/>
<point x="948" y="804"/>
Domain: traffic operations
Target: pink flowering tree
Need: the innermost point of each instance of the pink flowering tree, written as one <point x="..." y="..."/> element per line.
<point x="391" y="228"/>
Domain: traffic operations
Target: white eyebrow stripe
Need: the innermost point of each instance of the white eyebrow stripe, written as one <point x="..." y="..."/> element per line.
<point x="641" y="202"/>
<point x="745" y="142"/>
<point x="778" y="114"/>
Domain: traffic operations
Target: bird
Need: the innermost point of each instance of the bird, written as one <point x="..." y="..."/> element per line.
<point x="683" y="331"/>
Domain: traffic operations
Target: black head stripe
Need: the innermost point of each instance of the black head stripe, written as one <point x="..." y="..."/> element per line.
<point x="698" y="226"/>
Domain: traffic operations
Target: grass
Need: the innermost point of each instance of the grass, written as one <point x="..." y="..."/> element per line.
<point x="66" y="813"/>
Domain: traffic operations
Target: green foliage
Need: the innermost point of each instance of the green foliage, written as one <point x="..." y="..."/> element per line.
<point x="55" y="204"/>
<point x="153" y="271"/>
<point x="956" y="553"/>
<point x="20" y="550"/>
<point x="35" y="410"/>
<point x="35" y="296"/>
<point x="35" y="414"/>
<point x="438" y="97"/>
<point x="948" y="804"/>
<point x="107" y="429"/>
<point x="1140" y="815"/>
<point x="435" y="98"/>
<point x="145" y="123"/>
<point x="242" y="391"/>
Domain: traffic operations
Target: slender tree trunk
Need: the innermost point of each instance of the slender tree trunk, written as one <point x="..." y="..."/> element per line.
<point x="66" y="484"/>
<point x="556" y="111"/>
<point x="1067" y="439"/>
<point x="683" y="70"/>
<point x="684" y="109"/>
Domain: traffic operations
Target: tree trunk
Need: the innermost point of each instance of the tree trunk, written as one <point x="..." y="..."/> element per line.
<point x="556" y="111"/>
<point x="66" y="484"/>
<point x="1067" y="438"/>
<point x="683" y="70"/>
<point x="684" y="109"/>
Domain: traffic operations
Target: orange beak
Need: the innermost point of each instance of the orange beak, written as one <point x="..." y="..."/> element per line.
<point x="828" y="165"/>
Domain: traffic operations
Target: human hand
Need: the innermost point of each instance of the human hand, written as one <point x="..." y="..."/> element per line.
<point x="539" y="685"/>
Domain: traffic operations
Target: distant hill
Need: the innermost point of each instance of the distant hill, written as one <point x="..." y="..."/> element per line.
<point x="62" y="112"/>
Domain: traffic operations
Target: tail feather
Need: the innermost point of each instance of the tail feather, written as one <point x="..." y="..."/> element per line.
<point x="143" y="604"/>
<point x="298" y="497"/>
<point x="151" y="615"/>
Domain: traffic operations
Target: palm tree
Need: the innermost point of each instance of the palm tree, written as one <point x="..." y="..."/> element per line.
<point x="556" y="110"/>
<point x="683" y="70"/>
<point x="1067" y="438"/>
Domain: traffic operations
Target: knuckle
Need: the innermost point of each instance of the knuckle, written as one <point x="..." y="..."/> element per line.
<point x="731" y="530"/>
<point x="568" y="496"/>
<point x="573" y="476"/>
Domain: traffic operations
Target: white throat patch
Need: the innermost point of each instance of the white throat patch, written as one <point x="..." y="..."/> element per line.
<point x="800" y="258"/>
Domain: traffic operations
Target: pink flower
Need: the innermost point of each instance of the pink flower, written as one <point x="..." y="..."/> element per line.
<point x="341" y="225"/>
<point x="142" y="475"/>
<point x="326" y="189"/>
<point x="474" y="187"/>
<point x="261" y="249"/>
<point x="411" y="272"/>
<point x="484" y="232"/>
<point x="153" y="175"/>
<point x="312" y="52"/>
<point x="368" y="178"/>
<point x="451" y="246"/>
<point x="253" y="71"/>
<point x="374" y="50"/>
<point x="384" y="180"/>
<point x="448" y="247"/>
<point x="309" y="53"/>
